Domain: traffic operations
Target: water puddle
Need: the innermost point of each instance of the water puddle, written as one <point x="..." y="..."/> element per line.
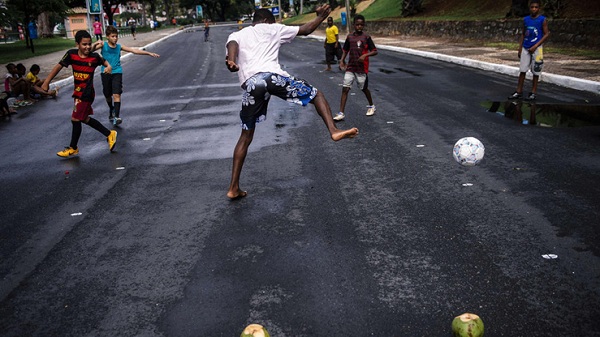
<point x="402" y="70"/>
<point x="556" y="115"/>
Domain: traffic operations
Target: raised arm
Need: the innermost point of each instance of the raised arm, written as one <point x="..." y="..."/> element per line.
<point x="138" y="51"/>
<point x="309" y="27"/>
<point x="231" y="58"/>
<point x="57" y="68"/>
<point x="97" y="45"/>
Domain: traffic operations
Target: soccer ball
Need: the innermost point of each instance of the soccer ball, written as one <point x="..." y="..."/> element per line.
<point x="468" y="151"/>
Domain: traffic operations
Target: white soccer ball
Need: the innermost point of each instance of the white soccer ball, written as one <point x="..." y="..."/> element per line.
<point x="468" y="151"/>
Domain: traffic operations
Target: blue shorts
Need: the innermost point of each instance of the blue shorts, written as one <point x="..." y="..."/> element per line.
<point x="258" y="90"/>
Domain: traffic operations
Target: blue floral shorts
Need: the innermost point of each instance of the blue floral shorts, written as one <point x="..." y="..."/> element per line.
<point x="258" y="90"/>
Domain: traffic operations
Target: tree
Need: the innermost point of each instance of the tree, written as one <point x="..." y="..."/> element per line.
<point x="26" y="11"/>
<point x="554" y="8"/>
<point x="110" y="7"/>
<point x="518" y="9"/>
<point x="411" y="7"/>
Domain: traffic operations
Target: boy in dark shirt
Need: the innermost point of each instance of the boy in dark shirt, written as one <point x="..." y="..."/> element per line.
<point x="83" y="62"/>
<point x="359" y="46"/>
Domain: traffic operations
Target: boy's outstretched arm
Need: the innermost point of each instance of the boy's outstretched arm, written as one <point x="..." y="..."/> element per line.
<point x="231" y="58"/>
<point x="97" y="45"/>
<point x="138" y="51"/>
<point x="309" y="27"/>
<point x="57" y="68"/>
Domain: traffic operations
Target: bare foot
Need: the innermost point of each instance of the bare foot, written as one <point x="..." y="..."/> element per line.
<point x="327" y="69"/>
<point x="236" y="195"/>
<point x="341" y="134"/>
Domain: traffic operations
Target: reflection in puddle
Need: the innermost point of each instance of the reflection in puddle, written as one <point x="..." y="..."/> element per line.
<point x="547" y="115"/>
<point x="389" y="71"/>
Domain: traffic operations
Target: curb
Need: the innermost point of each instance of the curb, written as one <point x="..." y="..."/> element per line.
<point x="563" y="81"/>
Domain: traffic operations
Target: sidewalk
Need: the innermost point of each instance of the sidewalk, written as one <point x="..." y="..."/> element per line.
<point x="567" y="71"/>
<point x="574" y="72"/>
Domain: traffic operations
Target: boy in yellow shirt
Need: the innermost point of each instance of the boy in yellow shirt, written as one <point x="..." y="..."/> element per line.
<point x="36" y="83"/>
<point x="332" y="44"/>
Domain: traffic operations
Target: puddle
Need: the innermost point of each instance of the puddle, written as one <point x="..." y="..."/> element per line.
<point x="557" y="115"/>
<point x="390" y="71"/>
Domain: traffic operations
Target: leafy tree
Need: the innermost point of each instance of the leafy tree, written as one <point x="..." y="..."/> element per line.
<point x="518" y="9"/>
<point x="411" y="7"/>
<point x="110" y="7"/>
<point x="554" y="8"/>
<point x="27" y="10"/>
<point x="220" y="10"/>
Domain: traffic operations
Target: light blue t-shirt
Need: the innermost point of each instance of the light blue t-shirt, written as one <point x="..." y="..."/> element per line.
<point x="534" y="30"/>
<point x="113" y="56"/>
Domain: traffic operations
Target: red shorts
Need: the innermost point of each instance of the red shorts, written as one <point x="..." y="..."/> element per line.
<point x="82" y="110"/>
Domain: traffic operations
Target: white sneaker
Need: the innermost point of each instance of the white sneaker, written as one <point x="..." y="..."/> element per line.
<point x="371" y="110"/>
<point x="339" y="116"/>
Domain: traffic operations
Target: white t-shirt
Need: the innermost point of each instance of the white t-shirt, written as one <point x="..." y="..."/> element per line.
<point x="7" y="77"/>
<point x="259" y="48"/>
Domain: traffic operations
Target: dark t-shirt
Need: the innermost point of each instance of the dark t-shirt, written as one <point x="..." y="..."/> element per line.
<point x="83" y="73"/>
<point x="357" y="45"/>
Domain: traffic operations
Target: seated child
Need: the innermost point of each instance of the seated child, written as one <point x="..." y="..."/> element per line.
<point x="5" y="110"/>
<point x="15" y="85"/>
<point x="36" y="82"/>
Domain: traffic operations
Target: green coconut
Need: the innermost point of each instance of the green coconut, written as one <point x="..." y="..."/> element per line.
<point x="255" y="330"/>
<point x="467" y="325"/>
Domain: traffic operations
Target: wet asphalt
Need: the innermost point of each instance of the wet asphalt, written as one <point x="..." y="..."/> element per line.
<point x="381" y="235"/>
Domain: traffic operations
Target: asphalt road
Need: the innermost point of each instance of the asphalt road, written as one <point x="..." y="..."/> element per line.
<point x="380" y="235"/>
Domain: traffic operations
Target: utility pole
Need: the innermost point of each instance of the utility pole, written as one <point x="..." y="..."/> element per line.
<point x="279" y="4"/>
<point x="347" y="17"/>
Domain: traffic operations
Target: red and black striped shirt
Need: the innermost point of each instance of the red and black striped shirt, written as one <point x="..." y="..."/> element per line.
<point x="355" y="46"/>
<point x="83" y="73"/>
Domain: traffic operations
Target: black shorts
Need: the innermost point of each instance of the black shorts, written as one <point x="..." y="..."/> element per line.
<point x="112" y="84"/>
<point x="332" y="52"/>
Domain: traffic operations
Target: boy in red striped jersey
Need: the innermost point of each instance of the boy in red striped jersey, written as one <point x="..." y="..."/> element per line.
<point x="359" y="47"/>
<point x="84" y="63"/>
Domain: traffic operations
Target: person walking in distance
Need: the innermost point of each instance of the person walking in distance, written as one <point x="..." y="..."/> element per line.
<point x="83" y="62"/>
<point x="253" y="53"/>
<point x="531" y="49"/>
<point x="359" y="47"/>
<point x="132" y="25"/>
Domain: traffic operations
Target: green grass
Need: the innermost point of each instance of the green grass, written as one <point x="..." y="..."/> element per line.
<point x="381" y="9"/>
<point x="588" y="53"/>
<point x="17" y="51"/>
<point x="549" y="49"/>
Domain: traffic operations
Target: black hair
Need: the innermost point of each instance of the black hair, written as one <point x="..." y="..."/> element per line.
<point x="82" y="34"/>
<point x="34" y="67"/>
<point x="535" y="2"/>
<point x="263" y="14"/>
<point x="359" y="17"/>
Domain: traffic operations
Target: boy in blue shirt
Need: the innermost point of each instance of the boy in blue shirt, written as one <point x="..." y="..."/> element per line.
<point x="112" y="84"/>
<point x="535" y="33"/>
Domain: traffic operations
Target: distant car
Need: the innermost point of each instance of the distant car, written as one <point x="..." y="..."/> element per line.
<point x="245" y="18"/>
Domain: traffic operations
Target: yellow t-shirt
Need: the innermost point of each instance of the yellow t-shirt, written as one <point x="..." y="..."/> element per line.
<point x="331" y="32"/>
<point x="31" y="77"/>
